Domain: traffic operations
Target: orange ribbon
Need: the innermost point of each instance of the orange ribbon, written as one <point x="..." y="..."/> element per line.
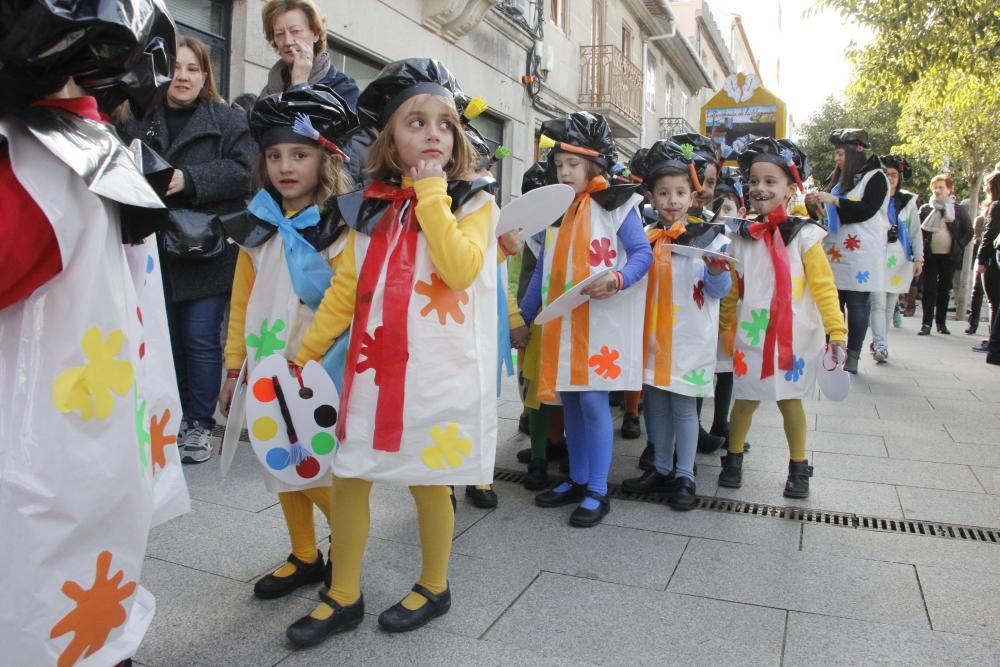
<point x="574" y="234"/>
<point x="661" y="288"/>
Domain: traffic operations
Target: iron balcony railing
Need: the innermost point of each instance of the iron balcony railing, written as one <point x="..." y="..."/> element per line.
<point x="610" y="81"/>
<point x="670" y="126"/>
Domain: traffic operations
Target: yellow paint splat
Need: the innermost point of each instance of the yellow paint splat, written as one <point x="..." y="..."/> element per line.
<point x="895" y="280"/>
<point x="449" y="448"/>
<point x="89" y="388"/>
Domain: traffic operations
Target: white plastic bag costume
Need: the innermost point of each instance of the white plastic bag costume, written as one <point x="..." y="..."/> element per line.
<point x="857" y="251"/>
<point x="899" y="267"/>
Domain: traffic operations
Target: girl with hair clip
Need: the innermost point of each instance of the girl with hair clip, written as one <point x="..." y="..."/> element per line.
<point x="904" y="253"/>
<point x="682" y="312"/>
<point x="594" y="349"/>
<point x="857" y="210"/>
<point x="782" y="301"/>
<point x="417" y="286"/>
<point x="290" y="244"/>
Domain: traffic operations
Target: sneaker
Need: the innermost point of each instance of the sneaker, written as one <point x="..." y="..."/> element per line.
<point x="880" y="353"/>
<point x="196" y="447"/>
<point x="982" y="347"/>
<point x="897" y="318"/>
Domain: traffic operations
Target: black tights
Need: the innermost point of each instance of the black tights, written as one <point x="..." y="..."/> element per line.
<point x="723" y="398"/>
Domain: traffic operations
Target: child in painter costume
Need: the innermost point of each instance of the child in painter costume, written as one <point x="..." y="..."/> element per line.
<point x="682" y="321"/>
<point x="595" y="348"/>
<point x="784" y="301"/>
<point x="89" y="410"/>
<point x="290" y="242"/>
<point x="417" y="286"/>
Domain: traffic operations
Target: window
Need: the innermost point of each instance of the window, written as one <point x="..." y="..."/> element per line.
<point x="560" y="15"/>
<point x="491" y="127"/>
<point x="362" y="69"/>
<point x="684" y="105"/>
<point x="209" y="22"/>
<point x="669" y="97"/>
<point x="627" y="41"/>
<point x="650" y="82"/>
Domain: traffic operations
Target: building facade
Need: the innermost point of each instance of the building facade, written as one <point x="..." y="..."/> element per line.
<point x="631" y="60"/>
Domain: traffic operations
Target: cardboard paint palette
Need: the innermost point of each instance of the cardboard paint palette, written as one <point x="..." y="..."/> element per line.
<point x="234" y="423"/>
<point x="534" y="211"/>
<point x="570" y="299"/>
<point x="292" y="420"/>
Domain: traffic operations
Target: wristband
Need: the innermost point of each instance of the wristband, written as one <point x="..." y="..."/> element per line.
<point x="621" y="280"/>
<point x="232" y="375"/>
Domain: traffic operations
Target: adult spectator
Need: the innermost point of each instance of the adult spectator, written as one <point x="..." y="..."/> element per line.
<point x="947" y="229"/>
<point x="987" y="269"/>
<point x="210" y="147"/>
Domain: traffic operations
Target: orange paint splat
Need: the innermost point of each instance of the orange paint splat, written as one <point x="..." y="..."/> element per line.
<point x="604" y="364"/>
<point x="158" y="440"/>
<point x="98" y="611"/>
<point x="835" y="255"/>
<point x="263" y="390"/>
<point x="445" y="300"/>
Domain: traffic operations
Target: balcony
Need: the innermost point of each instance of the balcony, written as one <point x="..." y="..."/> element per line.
<point x="671" y="126"/>
<point x="611" y="86"/>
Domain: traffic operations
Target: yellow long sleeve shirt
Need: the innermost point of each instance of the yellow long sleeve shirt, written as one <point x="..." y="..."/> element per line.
<point x="456" y="247"/>
<point x="819" y="278"/>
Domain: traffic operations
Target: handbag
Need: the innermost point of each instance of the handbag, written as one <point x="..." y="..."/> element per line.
<point x="192" y="235"/>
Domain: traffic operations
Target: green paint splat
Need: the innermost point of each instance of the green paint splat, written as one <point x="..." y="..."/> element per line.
<point x="891" y="262"/>
<point x="697" y="378"/>
<point x="267" y="342"/>
<point x="141" y="433"/>
<point x="756" y="326"/>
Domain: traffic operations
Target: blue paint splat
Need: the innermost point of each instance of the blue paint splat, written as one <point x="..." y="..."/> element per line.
<point x="278" y="458"/>
<point x="150" y="264"/>
<point x="863" y="276"/>
<point x="797" y="371"/>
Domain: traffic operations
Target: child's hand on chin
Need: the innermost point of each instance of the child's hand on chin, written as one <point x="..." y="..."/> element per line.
<point x="426" y="169"/>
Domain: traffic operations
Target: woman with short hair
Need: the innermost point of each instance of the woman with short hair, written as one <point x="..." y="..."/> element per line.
<point x="947" y="229"/>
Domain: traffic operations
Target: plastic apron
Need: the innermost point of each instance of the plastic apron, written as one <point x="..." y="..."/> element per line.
<point x="695" y="327"/>
<point x="857" y="252"/>
<point x="898" y="266"/>
<point x="615" y="339"/>
<point x="755" y="271"/>
<point x="88" y="424"/>
<point x="449" y="412"/>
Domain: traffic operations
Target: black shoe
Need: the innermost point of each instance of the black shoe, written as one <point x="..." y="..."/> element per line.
<point x="398" y="618"/>
<point x="270" y="587"/>
<point x="552" y="498"/>
<point x="925" y="330"/>
<point x="943" y="330"/>
<point x="308" y="630"/>
<point x="797" y="485"/>
<point x="646" y="458"/>
<point x="485" y="499"/>
<point x="731" y="475"/>
<point x="683" y="495"/>
<point x="630" y="427"/>
<point x="524" y="455"/>
<point x="650" y="482"/>
<point x="708" y="443"/>
<point x="982" y="347"/>
<point x="992" y="358"/>
<point x="584" y="518"/>
<point x="538" y="476"/>
<point x="971" y="330"/>
<point x="522" y="423"/>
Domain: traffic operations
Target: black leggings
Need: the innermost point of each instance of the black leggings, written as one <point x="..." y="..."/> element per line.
<point x="723" y="397"/>
<point x="938" y="273"/>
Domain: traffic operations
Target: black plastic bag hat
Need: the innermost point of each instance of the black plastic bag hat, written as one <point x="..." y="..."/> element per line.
<point x="703" y="146"/>
<point x="730" y="182"/>
<point x="535" y="176"/>
<point x="398" y="82"/>
<point x="636" y="166"/>
<point x="583" y="133"/>
<point x="307" y="115"/>
<point x="850" y="137"/>
<point x="667" y="157"/>
<point x="784" y="152"/>
<point x="115" y="49"/>
<point x="897" y="162"/>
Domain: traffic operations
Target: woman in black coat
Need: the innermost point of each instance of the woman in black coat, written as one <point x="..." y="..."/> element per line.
<point x="947" y="229"/>
<point x="210" y="147"/>
<point x="988" y="268"/>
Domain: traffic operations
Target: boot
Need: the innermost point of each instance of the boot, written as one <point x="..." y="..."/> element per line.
<point x="538" y="476"/>
<point x="646" y="458"/>
<point x="851" y="365"/>
<point x="630" y="427"/>
<point x="731" y="475"/>
<point x="911" y="303"/>
<point x="797" y="485"/>
<point x="709" y="442"/>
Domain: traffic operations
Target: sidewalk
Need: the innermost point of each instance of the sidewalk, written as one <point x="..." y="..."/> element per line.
<point x="919" y="438"/>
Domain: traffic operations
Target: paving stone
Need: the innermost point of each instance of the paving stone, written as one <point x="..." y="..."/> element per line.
<point x="822" y="441"/>
<point x="840" y="409"/>
<point x="901" y="548"/>
<point x="243" y="487"/>
<point x="962" y="601"/>
<point x="942" y="450"/>
<point x="896" y="471"/>
<point x="914" y="391"/>
<point x="609" y="624"/>
<point x="509" y="409"/>
<point x="368" y="645"/>
<point x="222" y="540"/>
<point x="204" y="619"/>
<point x="973" y="509"/>
<point x="976" y="431"/>
<point x="519" y="532"/>
<point x="989" y="478"/>
<point x="972" y="407"/>
<point x="986" y="395"/>
<point x="797" y="581"/>
<point x="861" y="425"/>
<point x="760" y="457"/>
<point x="830" y="641"/>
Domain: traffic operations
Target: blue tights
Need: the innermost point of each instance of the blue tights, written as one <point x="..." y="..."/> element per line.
<point x="672" y="418"/>
<point x="589" y="439"/>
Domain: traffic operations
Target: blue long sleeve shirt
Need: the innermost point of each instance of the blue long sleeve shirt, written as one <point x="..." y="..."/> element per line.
<point x="637" y="250"/>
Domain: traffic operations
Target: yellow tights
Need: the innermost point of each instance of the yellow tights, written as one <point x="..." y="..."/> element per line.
<point x="297" y="506"/>
<point x="794" y="418"/>
<point x="435" y="519"/>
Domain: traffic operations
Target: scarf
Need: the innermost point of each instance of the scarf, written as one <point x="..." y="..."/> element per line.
<point x="832" y="213"/>
<point x="779" y="324"/>
<point x="661" y="288"/>
<point x="574" y="234"/>
<point x="279" y="78"/>
<point x="941" y="210"/>
<point x="387" y="349"/>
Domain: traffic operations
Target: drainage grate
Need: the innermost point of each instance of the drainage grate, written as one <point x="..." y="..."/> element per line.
<point x="805" y="515"/>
